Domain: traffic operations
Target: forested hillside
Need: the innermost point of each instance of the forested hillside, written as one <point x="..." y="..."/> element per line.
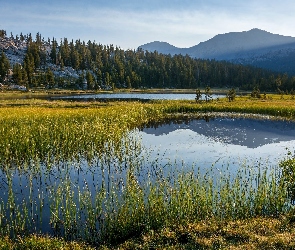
<point x="80" y="65"/>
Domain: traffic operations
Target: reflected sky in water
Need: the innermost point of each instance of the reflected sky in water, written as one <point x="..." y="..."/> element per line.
<point x="137" y="96"/>
<point x="222" y="141"/>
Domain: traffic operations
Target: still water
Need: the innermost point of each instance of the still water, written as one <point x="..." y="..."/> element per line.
<point x="216" y="145"/>
<point x="221" y="142"/>
<point x="135" y="96"/>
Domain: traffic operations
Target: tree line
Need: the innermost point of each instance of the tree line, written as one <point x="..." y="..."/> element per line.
<point x="110" y="67"/>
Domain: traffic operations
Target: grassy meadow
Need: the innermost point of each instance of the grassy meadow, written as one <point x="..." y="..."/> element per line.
<point x="45" y="143"/>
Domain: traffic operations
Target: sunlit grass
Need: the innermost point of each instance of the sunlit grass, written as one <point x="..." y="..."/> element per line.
<point x="255" y="233"/>
<point x="35" y="242"/>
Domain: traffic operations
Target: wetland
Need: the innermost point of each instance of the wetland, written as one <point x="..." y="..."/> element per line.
<point x="106" y="173"/>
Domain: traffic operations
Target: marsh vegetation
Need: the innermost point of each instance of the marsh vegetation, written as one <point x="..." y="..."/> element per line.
<point x="76" y="170"/>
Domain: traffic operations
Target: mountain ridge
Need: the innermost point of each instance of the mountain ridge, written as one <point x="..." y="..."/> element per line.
<point x="164" y="46"/>
<point x="254" y="47"/>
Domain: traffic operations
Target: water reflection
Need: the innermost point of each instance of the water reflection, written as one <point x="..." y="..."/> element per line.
<point x="251" y="133"/>
<point x="222" y="142"/>
<point x="133" y="96"/>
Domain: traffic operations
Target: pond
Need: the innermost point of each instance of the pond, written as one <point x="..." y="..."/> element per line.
<point x="133" y="96"/>
<point x="112" y="96"/>
<point x="222" y="142"/>
<point x="63" y="198"/>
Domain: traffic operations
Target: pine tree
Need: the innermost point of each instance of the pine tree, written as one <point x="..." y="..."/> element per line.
<point x="29" y="38"/>
<point x="128" y="82"/>
<point x="98" y="82"/>
<point x="17" y="74"/>
<point x="4" y="66"/>
<point x="2" y="33"/>
<point x="107" y="80"/>
<point x="24" y="79"/>
<point x="90" y="80"/>
<point x="22" y="38"/>
<point x="49" y="76"/>
<point x="53" y="52"/>
<point x="29" y="66"/>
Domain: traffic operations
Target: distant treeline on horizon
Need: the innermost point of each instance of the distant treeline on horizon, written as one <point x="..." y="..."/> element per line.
<point x="109" y="67"/>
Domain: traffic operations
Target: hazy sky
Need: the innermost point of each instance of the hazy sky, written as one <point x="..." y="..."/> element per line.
<point x="131" y="23"/>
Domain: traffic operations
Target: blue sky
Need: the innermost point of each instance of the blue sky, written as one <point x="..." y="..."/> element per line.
<point x="131" y="23"/>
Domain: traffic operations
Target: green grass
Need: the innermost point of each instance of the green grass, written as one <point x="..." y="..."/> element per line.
<point x="163" y="211"/>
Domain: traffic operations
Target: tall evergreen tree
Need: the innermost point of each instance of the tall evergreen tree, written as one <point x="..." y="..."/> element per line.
<point x="2" y="33"/>
<point x="90" y="80"/>
<point x="29" y="66"/>
<point x="4" y="66"/>
<point x="53" y="53"/>
<point x="49" y="76"/>
<point x="17" y="74"/>
<point x="22" y="38"/>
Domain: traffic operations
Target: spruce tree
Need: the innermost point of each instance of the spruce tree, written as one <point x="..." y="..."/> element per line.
<point x="17" y="74"/>
<point x="90" y="80"/>
<point x="29" y="66"/>
<point x="53" y="52"/>
<point x="49" y="79"/>
<point x="2" y="33"/>
<point x="4" y="66"/>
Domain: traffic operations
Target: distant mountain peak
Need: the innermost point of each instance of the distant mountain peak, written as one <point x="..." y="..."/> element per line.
<point x="255" y="35"/>
<point x="161" y="47"/>
<point x="257" y="30"/>
<point x="251" y="47"/>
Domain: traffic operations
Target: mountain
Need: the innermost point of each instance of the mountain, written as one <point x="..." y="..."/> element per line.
<point x="162" y="47"/>
<point x="254" y="47"/>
